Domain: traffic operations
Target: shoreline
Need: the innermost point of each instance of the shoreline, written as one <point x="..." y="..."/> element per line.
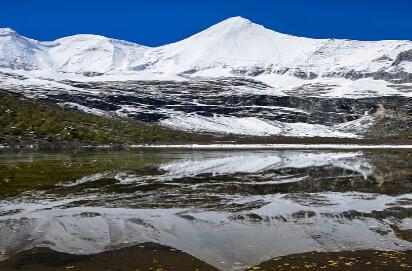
<point x="213" y="146"/>
<point x="273" y="146"/>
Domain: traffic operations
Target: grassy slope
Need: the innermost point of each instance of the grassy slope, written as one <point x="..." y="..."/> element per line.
<point x="392" y="126"/>
<point x="23" y="120"/>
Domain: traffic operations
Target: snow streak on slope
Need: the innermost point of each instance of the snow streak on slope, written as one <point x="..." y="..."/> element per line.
<point x="260" y="127"/>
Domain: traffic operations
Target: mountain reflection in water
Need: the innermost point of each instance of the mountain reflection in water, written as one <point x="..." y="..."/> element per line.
<point x="225" y="208"/>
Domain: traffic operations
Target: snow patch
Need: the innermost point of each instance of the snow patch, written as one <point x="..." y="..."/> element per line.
<point x="260" y="127"/>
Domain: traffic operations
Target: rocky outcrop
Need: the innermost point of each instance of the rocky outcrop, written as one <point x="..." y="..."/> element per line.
<point x="403" y="56"/>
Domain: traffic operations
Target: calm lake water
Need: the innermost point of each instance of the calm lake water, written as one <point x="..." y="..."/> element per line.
<point x="205" y="210"/>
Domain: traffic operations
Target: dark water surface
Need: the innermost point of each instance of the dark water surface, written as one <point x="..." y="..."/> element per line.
<point x="206" y="210"/>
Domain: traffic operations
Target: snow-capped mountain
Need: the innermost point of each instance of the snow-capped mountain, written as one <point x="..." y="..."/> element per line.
<point x="91" y="53"/>
<point x="235" y="46"/>
<point x="20" y="53"/>
<point x="234" y="77"/>
<point x="75" y="54"/>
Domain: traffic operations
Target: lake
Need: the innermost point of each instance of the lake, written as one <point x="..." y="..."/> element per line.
<point x="206" y="210"/>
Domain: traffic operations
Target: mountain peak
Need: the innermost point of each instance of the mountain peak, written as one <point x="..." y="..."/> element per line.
<point x="7" y="31"/>
<point x="231" y="27"/>
<point x="236" y="21"/>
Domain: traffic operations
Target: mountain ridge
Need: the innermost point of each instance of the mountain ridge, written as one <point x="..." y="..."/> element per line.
<point x="235" y="46"/>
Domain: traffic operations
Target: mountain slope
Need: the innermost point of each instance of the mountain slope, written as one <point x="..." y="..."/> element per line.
<point x="74" y="54"/>
<point x="243" y="47"/>
<point x="17" y="52"/>
<point x="235" y="77"/>
<point x="235" y="42"/>
<point x="91" y="53"/>
<point x="25" y="122"/>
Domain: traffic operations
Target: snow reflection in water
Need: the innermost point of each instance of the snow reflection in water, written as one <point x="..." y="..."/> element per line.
<point x="222" y="207"/>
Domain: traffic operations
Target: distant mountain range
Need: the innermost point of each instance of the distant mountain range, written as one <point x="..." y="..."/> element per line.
<point x="234" y="77"/>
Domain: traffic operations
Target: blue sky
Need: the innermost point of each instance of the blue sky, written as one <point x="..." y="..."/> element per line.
<point x="159" y="22"/>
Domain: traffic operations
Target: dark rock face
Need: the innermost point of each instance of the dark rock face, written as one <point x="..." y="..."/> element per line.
<point x="92" y="74"/>
<point x="403" y="56"/>
<point x="304" y="74"/>
<point x="253" y="71"/>
<point x="393" y="74"/>
<point x="399" y="76"/>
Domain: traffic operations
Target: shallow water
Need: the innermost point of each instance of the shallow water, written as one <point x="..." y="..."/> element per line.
<point x="228" y="209"/>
